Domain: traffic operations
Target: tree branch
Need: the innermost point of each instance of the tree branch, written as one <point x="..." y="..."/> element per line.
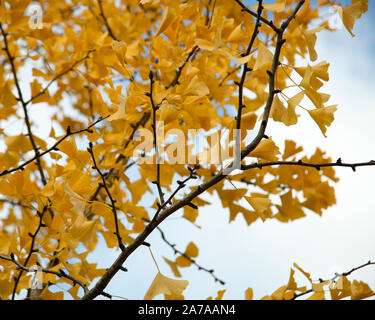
<point x="176" y="251"/>
<point x="23" y="103"/>
<point x="180" y="68"/>
<point x="246" y="69"/>
<point x="61" y="273"/>
<point x="113" y="201"/>
<point x="142" y="122"/>
<point x="345" y="274"/>
<point x="112" y="35"/>
<point x="53" y="148"/>
<point x="31" y="250"/>
<point x="317" y="166"/>
<point x="154" y="109"/>
<point x="254" y="14"/>
<point x="58" y="76"/>
<point x="271" y="86"/>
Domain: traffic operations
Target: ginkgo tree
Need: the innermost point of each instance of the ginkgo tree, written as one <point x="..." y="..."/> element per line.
<point x="130" y="84"/>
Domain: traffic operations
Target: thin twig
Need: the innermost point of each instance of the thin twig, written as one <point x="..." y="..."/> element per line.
<point x="176" y="251"/>
<point x="271" y="85"/>
<point x="60" y="274"/>
<point x="229" y="73"/>
<point x="317" y="166"/>
<point x="58" y="76"/>
<point x="53" y="147"/>
<point x="245" y="67"/>
<point x="113" y="201"/>
<point x="112" y="35"/>
<point x="254" y="14"/>
<point x="31" y="250"/>
<point x="181" y="185"/>
<point x="20" y="98"/>
<point x="154" y="129"/>
<point x="180" y="68"/>
<point x="142" y="122"/>
<point x="337" y="275"/>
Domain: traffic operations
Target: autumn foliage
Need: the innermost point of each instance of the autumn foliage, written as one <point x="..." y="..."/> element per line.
<point x="108" y="70"/>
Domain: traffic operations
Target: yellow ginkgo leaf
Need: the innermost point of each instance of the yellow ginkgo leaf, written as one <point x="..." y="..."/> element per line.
<point x="266" y="150"/>
<point x="174" y="267"/>
<point x="165" y="285"/>
<point x="306" y="274"/>
<point x="340" y="289"/>
<point x="119" y="48"/>
<point x="197" y="87"/>
<point x="167" y="20"/>
<point x="351" y="13"/>
<point x="361" y="290"/>
<point x="249" y="294"/>
<point x="220" y="295"/>
<point x="288" y="115"/>
<point x="264" y="57"/>
<point x="35" y="87"/>
<point x="7" y="98"/>
<point x="291" y="149"/>
<point x="190" y="214"/>
<point x="323" y="117"/>
<point x="260" y="204"/>
<point x="279" y="6"/>
<point x="76" y="200"/>
<point x="278" y="111"/>
<point x="150" y="2"/>
<point x="237" y="34"/>
<point x="18" y="143"/>
<point x="248" y="121"/>
<point x="191" y="251"/>
<point x="242" y="60"/>
<point x="120" y="113"/>
<point x="205" y="44"/>
<point x="319" y="295"/>
<point x="83" y="230"/>
<point x="310" y="37"/>
<point x="48" y="295"/>
<point x="291" y="117"/>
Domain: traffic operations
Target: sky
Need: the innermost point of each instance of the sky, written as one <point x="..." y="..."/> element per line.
<point x="260" y="256"/>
